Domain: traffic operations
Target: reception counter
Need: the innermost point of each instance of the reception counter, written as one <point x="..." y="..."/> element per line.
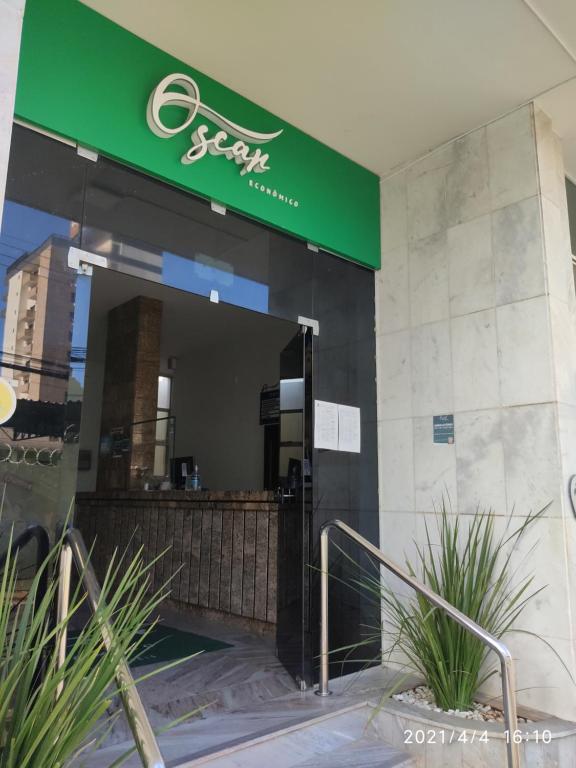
<point x="221" y="546"/>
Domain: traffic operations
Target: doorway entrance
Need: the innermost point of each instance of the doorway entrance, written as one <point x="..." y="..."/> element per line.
<point x="61" y="208"/>
<point x="195" y="441"/>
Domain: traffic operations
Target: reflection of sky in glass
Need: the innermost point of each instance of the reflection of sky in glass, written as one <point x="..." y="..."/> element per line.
<point x="24" y="229"/>
<point x="80" y="326"/>
<point x="200" y="278"/>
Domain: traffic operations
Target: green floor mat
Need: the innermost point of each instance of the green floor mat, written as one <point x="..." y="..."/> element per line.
<point x="164" y="644"/>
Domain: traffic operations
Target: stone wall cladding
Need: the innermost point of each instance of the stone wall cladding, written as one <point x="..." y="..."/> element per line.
<point x="475" y="316"/>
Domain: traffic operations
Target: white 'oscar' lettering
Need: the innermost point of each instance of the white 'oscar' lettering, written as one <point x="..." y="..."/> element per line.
<point x="239" y="151"/>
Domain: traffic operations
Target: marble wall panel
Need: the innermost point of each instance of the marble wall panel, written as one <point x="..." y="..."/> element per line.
<point x="395" y="391"/>
<point x="563" y="328"/>
<point x="393" y="213"/>
<point x="545" y="663"/>
<point x="480" y="473"/>
<point x="552" y="176"/>
<point x="560" y="273"/>
<point x="567" y="434"/>
<point x="468" y="180"/>
<point x="525" y="352"/>
<point x="396" y="464"/>
<point x="518" y="251"/>
<point x="537" y="557"/>
<point x="428" y="270"/>
<point x="392" y="286"/>
<point x="426" y="196"/>
<point x="512" y="158"/>
<point x="475" y="361"/>
<point x="532" y="458"/>
<point x="471" y="266"/>
<point x="431" y="369"/>
<point x="398" y="534"/>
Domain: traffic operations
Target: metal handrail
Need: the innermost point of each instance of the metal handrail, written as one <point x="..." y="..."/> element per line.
<point x="74" y="550"/>
<point x="506" y="662"/>
<point x="39" y="533"/>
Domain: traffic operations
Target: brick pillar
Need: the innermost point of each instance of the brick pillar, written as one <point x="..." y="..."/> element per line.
<point x="130" y="393"/>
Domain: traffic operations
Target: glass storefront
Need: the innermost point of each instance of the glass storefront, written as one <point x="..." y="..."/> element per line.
<point x="132" y="224"/>
<point x="42" y="347"/>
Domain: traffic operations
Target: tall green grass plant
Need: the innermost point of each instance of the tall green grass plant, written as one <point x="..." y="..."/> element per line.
<point x="473" y="567"/>
<point x="50" y="720"/>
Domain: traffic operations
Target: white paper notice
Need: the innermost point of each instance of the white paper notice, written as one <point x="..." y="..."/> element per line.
<point x="325" y="425"/>
<point x="348" y="429"/>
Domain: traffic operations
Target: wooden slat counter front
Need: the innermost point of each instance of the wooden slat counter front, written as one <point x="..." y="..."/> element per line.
<point x="222" y="545"/>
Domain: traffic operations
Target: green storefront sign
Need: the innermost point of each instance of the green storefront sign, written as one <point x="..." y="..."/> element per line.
<point x="90" y="80"/>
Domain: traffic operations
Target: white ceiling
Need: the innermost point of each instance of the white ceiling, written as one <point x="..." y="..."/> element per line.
<point x="382" y="81"/>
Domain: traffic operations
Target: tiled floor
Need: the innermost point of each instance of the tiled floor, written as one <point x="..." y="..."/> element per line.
<point x="226" y="680"/>
<point x="252" y="713"/>
<point x="247" y="672"/>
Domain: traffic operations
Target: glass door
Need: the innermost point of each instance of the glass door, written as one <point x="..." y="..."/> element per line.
<point x="293" y="639"/>
<point x="42" y="350"/>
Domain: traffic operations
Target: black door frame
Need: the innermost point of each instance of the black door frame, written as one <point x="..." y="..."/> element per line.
<point x="295" y="546"/>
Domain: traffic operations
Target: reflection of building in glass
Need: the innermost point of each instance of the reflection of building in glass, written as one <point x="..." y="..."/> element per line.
<point x="38" y="325"/>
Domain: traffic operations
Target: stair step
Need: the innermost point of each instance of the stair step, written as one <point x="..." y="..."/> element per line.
<point x="298" y="730"/>
<point x="321" y="740"/>
<point x="204" y="736"/>
<point x="363" y="753"/>
<point x="273" y="736"/>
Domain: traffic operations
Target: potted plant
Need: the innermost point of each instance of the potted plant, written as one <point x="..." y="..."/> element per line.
<point x="473" y="567"/>
<point x="51" y="713"/>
